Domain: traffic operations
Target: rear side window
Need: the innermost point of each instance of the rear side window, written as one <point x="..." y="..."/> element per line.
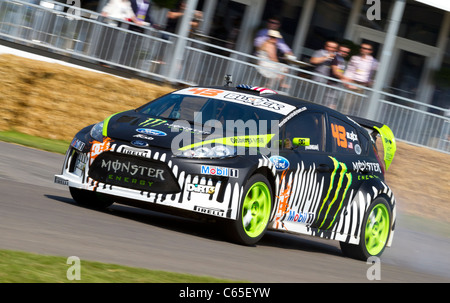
<point x="364" y="142"/>
<point x="345" y="139"/>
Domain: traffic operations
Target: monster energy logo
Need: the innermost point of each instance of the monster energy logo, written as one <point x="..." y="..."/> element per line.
<point x="132" y="169"/>
<point x="329" y="210"/>
<point x="152" y="122"/>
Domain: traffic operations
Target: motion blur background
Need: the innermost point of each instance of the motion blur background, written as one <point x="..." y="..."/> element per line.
<point x="410" y="38"/>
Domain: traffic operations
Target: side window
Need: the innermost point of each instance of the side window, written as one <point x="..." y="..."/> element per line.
<point x="344" y="137"/>
<point x="303" y="128"/>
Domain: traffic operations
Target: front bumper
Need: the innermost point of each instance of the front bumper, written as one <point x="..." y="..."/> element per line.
<point x="198" y="188"/>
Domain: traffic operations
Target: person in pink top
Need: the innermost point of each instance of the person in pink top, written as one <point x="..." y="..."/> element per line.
<point x="360" y="73"/>
<point x="361" y="68"/>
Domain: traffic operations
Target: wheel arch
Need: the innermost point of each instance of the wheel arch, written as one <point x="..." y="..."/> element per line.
<point x="266" y="172"/>
<point x="360" y="203"/>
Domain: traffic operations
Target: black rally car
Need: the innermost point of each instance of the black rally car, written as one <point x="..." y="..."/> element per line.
<point x="246" y="156"/>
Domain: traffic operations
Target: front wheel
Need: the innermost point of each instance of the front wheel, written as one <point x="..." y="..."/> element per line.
<point x="375" y="232"/>
<point x="254" y="212"/>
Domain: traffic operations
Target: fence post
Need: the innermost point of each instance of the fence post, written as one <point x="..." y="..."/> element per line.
<point x="386" y="54"/>
<point x="180" y="44"/>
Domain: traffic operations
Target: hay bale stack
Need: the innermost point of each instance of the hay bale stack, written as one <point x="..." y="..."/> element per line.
<point x="55" y="101"/>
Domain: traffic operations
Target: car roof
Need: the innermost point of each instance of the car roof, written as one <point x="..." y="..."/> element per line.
<point x="273" y="95"/>
<point x="298" y="103"/>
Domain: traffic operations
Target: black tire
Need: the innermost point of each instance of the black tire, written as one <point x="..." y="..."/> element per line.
<point x="90" y="199"/>
<point x="256" y="203"/>
<point x="369" y="243"/>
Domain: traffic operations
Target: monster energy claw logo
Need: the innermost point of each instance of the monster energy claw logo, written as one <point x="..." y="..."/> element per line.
<point x="152" y="122"/>
<point x="331" y="206"/>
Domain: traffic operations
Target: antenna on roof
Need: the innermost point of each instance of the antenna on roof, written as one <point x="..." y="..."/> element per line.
<point x="228" y="80"/>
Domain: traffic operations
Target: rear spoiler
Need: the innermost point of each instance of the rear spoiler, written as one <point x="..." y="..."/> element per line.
<point x="387" y="137"/>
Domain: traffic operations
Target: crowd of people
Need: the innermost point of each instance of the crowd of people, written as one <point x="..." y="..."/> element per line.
<point x="332" y="64"/>
<point x="139" y="12"/>
<point x="119" y="13"/>
<point x="352" y="73"/>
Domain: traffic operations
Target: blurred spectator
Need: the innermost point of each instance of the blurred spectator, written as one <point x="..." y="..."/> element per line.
<point x="339" y="63"/>
<point x="338" y="66"/>
<point x="175" y="15"/>
<point x="233" y="34"/>
<point x="111" y="44"/>
<point x="133" y="51"/>
<point x="262" y="36"/>
<point x="322" y="59"/>
<point x="269" y="65"/>
<point x="361" y="68"/>
<point x="142" y="10"/>
<point x="120" y="9"/>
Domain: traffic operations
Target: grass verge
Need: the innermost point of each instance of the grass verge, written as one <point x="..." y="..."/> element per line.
<point x="22" y="267"/>
<point x="51" y="145"/>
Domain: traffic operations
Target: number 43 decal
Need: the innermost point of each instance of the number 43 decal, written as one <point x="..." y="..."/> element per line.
<point x="339" y="134"/>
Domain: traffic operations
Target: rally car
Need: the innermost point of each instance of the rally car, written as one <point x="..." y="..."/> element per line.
<point x="247" y="157"/>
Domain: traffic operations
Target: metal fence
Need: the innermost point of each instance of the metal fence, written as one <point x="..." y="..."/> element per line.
<point x="156" y="54"/>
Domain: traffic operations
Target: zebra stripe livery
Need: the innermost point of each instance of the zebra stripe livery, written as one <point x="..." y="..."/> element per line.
<point x="298" y="207"/>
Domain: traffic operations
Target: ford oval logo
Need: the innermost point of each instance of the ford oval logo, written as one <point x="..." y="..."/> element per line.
<point x="151" y="132"/>
<point x="139" y="143"/>
<point x="281" y="163"/>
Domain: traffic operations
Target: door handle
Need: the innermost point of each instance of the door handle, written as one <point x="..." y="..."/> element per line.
<point x="323" y="168"/>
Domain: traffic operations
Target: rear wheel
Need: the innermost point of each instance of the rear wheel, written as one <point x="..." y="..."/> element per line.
<point x="374" y="233"/>
<point x="254" y="212"/>
<point x="90" y="199"/>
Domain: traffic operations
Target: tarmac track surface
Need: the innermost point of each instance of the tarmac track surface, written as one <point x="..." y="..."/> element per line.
<point x="39" y="216"/>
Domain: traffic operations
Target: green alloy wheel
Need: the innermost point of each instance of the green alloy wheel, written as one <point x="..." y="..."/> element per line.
<point x="374" y="234"/>
<point x="256" y="209"/>
<point x="254" y="214"/>
<point x="377" y="229"/>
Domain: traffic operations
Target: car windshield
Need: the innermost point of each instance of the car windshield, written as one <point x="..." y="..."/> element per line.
<point x="210" y="112"/>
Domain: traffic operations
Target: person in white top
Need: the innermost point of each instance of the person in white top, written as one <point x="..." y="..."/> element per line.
<point x="268" y="64"/>
<point x="120" y="9"/>
<point x="113" y="45"/>
<point x="361" y="68"/>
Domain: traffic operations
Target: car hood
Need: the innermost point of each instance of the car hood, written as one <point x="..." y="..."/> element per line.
<point x="143" y="130"/>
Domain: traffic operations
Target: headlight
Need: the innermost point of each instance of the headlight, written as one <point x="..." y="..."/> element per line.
<point x="219" y="151"/>
<point x="97" y="132"/>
